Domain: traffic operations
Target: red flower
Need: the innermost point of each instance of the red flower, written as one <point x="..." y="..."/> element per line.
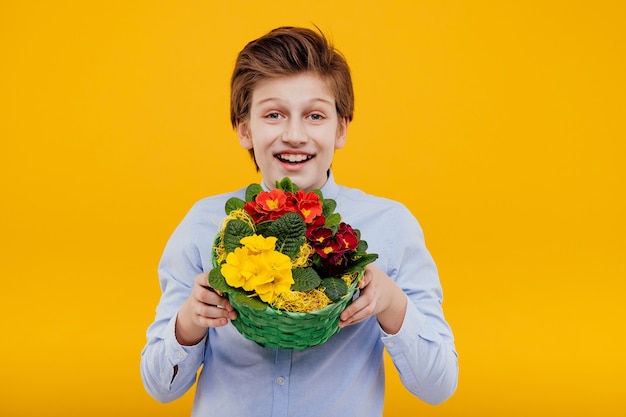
<point x="336" y="265"/>
<point x="347" y="237"/>
<point x="322" y="241"/>
<point x="333" y="250"/>
<point x="269" y="205"/>
<point x="317" y="222"/>
<point x="318" y="237"/>
<point x="271" y="201"/>
<point x="308" y="205"/>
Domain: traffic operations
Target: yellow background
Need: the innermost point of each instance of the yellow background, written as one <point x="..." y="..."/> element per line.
<point x="500" y="124"/>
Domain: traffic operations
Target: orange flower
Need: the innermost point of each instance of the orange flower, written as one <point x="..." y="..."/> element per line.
<point x="272" y="201"/>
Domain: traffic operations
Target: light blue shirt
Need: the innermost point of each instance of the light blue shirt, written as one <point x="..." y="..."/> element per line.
<point x="342" y="377"/>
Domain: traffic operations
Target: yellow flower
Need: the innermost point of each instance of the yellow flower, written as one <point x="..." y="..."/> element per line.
<point x="277" y="277"/>
<point x="258" y="267"/>
<point x="237" y="268"/>
<point x="258" y="243"/>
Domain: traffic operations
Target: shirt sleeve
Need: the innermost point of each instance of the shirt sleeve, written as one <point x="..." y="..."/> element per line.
<point x="423" y="350"/>
<point x="169" y="369"/>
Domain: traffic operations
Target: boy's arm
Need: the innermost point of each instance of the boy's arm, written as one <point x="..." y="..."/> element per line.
<point x="425" y="359"/>
<point x="423" y="350"/>
<point x="406" y="300"/>
<point x="168" y="368"/>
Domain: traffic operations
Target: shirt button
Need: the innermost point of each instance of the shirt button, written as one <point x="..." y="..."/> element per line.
<point x="280" y="380"/>
<point x="391" y="344"/>
<point x="179" y="354"/>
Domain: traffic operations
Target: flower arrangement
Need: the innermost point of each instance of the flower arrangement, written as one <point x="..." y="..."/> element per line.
<point x="286" y="251"/>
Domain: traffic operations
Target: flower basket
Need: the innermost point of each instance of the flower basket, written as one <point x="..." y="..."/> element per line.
<point x="288" y="265"/>
<point x="278" y="328"/>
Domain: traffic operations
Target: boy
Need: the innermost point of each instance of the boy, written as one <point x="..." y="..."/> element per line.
<point x="291" y="103"/>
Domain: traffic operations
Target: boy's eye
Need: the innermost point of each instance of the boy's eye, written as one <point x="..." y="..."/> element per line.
<point x="316" y="116"/>
<point x="273" y="116"/>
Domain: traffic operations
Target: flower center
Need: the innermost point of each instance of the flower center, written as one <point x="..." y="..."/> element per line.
<point x="272" y="204"/>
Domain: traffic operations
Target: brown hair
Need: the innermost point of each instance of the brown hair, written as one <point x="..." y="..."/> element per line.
<point x="288" y="51"/>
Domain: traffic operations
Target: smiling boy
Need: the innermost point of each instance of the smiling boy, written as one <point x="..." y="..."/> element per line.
<point x="293" y="128"/>
<point x="291" y="103"/>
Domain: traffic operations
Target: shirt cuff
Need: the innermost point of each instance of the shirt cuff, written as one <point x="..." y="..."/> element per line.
<point x="413" y="327"/>
<point x="177" y="353"/>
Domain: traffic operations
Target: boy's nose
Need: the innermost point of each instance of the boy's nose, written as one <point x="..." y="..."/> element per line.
<point x="295" y="133"/>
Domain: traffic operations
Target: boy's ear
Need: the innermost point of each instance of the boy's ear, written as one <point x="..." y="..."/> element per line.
<point x="342" y="133"/>
<point x="243" y="132"/>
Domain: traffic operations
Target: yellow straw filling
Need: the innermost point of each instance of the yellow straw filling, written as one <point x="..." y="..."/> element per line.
<point x="306" y="301"/>
<point x="301" y="301"/>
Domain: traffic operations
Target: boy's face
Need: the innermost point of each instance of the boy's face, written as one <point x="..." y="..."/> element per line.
<point x="294" y="129"/>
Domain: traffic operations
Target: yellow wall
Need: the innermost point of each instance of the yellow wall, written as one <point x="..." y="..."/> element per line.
<point x="500" y="124"/>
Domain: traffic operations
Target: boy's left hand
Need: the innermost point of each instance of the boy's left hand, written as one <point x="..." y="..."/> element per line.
<point x="380" y="296"/>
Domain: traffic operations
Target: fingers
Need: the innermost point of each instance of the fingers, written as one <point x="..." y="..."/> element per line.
<point x="210" y="316"/>
<point x="364" y="306"/>
<point x="207" y="295"/>
<point x="359" y="310"/>
<point x="203" y="308"/>
<point x="203" y="281"/>
<point x="210" y="308"/>
<point x="370" y="299"/>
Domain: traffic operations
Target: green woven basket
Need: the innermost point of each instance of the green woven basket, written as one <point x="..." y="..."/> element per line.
<point x="284" y="329"/>
<point x="279" y="328"/>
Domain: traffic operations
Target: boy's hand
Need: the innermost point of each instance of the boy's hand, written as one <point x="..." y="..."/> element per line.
<point x="380" y="296"/>
<point x="204" y="308"/>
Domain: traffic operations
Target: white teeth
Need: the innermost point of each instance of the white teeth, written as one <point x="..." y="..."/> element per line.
<point x="294" y="158"/>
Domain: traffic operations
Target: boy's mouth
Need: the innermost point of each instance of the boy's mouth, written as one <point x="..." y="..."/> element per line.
<point x="293" y="158"/>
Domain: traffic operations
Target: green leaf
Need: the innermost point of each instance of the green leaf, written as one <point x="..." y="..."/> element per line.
<point x="287" y="185"/>
<point x="263" y="228"/>
<point x="233" y="233"/>
<point x="332" y="221"/>
<point x="317" y="264"/>
<point x="328" y="206"/>
<point x="289" y="229"/>
<point x="218" y="282"/>
<point x="244" y="298"/>
<point x="234" y="203"/>
<point x="305" y="279"/>
<point x="335" y="288"/>
<point x="361" y="260"/>
<point x="252" y="191"/>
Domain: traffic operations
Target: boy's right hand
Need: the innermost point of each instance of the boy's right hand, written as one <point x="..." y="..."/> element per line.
<point x="204" y="308"/>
